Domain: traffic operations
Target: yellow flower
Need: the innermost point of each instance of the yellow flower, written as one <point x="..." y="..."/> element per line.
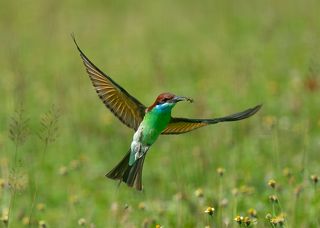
<point x="74" y="199"/>
<point x="42" y="224"/>
<point x="287" y="172"/>
<point x="220" y="171"/>
<point x="278" y="220"/>
<point x="235" y="191"/>
<point x="268" y="216"/>
<point x="5" y="219"/>
<point x="209" y="210"/>
<point x="142" y="206"/>
<point x="272" y="183"/>
<point x="26" y="220"/>
<point x="199" y="193"/>
<point x="2" y="183"/>
<point x="179" y="196"/>
<point x="247" y="221"/>
<point x="41" y="206"/>
<point x="63" y="170"/>
<point x="82" y="222"/>
<point x="246" y="190"/>
<point x="314" y="179"/>
<point x="269" y="121"/>
<point x="224" y="202"/>
<point x="273" y="199"/>
<point x="298" y="190"/>
<point x="5" y="216"/>
<point x="148" y="222"/>
<point x="74" y="165"/>
<point x="238" y="219"/>
<point x="252" y="212"/>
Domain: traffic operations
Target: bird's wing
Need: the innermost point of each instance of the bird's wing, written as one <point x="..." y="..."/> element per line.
<point x="125" y="107"/>
<point x="183" y="125"/>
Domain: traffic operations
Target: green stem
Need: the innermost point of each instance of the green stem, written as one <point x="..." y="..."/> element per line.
<point x="219" y="203"/>
<point x="13" y="184"/>
<point x="36" y="185"/>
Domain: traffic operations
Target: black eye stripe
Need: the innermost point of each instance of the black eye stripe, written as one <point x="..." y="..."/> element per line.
<point x="163" y="101"/>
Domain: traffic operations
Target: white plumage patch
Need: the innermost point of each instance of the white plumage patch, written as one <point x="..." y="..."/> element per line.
<point x="137" y="148"/>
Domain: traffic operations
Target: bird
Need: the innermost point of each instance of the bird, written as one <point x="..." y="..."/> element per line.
<point x="148" y="122"/>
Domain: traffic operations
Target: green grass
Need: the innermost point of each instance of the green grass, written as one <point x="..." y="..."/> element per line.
<point x="226" y="55"/>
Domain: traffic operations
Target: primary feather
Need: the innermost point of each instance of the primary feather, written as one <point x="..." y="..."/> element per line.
<point x="125" y="107"/>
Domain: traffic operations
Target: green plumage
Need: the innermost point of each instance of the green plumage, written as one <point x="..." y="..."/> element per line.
<point x="154" y="123"/>
<point x="130" y="167"/>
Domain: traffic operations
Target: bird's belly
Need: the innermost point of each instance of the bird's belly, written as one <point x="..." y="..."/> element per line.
<point x="151" y="127"/>
<point x="150" y="136"/>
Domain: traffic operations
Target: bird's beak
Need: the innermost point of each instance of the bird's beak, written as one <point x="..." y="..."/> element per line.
<point x="181" y="98"/>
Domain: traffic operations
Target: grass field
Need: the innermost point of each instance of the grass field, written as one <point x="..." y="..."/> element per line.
<point x="57" y="140"/>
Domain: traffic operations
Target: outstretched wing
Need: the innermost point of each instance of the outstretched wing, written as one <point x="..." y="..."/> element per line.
<point x="183" y="125"/>
<point x="125" y="107"/>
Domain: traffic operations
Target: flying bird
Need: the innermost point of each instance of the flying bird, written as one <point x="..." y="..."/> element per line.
<point x="147" y="122"/>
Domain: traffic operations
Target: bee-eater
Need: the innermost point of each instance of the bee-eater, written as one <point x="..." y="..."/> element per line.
<point x="148" y="122"/>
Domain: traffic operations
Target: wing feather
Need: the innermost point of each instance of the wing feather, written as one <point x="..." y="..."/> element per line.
<point x="125" y="107"/>
<point x="183" y="125"/>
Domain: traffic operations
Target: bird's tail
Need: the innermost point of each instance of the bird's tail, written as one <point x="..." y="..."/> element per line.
<point x="131" y="175"/>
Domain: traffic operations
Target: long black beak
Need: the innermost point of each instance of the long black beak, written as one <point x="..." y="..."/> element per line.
<point x="181" y="98"/>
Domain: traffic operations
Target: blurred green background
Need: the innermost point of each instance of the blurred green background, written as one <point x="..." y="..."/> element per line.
<point x="57" y="140"/>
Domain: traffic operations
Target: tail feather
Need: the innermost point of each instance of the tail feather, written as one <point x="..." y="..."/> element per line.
<point x="131" y="175"/>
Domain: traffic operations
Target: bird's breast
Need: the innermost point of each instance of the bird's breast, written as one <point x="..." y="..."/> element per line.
<point x="151" y="127"/>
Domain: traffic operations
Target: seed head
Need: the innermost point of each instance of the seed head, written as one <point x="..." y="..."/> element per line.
<point x="220" y="171"/>
<point x="63" y="170"/>
<point x="114" y="207"/>
<point x="269" y="121"/>
<point x="179" y="196"/>
<point x="314" y="179"/>
<point x="224" y="202"/>
<point x="26" y="220"/>
<point x="247" y="221"/>
<point x="74" y="165"/>
<point x="235" y="191"/>
<point x="74" y="199"/>
<point x="268" y="216"/>
<point x="209" y="211"/>
<point x="148" y="222"/>
<point x="42" y="224"/>
<point x="2" y="183"/>
<point x="82" y="222"/>
<point x="5" y="218"/>
<point x="273" y="199"/>
<point x="298" y="190"/>
<point x="142" y="206"/>
<point x="199" y="193"/>
<point x="287" y="172"/>
<point x="41" y="206"/>
<point x="246" y="190"/>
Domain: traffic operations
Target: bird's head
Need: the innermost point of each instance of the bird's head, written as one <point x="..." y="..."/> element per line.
<point x="166" y="101"/>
